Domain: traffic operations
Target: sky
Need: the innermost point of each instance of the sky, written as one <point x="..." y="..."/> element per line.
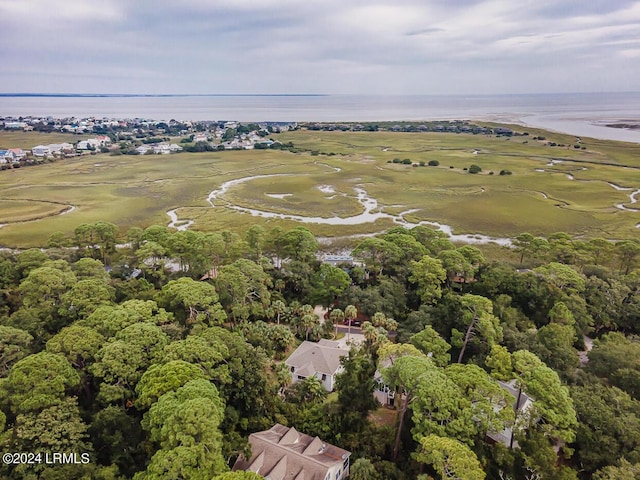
<point x="319" y="46"/>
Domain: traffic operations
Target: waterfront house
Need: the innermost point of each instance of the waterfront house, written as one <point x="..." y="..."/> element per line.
<point x="41" y="151"/>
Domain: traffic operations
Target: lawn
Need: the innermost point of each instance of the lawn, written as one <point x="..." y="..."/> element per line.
<point x="28" y="140"/>
<point x="551" y="188"/>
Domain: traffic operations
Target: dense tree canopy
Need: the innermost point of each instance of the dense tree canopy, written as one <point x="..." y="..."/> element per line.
<point x="112" y="345"/>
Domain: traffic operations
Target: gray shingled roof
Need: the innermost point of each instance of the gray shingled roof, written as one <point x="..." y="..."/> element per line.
<point x="311" y="357"/>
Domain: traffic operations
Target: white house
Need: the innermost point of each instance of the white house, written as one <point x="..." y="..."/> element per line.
<point x="162" y="149"/>
<point x="320" y="360"/>
<point x="60" y="148"/>
<point x="15" y="125"/>
<point x="41" y="151"/>
<point x="89" y="144"/>
<point x="6" y="157"/>
<point x="283" y="453"/>
<point x="18" y="153"/>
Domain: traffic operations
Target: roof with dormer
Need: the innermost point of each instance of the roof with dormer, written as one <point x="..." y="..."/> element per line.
<point x="283" y="453"/>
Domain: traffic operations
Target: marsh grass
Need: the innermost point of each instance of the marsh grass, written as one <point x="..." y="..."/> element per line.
<point x="138" y="190"/>
<point x="28" y="140"/>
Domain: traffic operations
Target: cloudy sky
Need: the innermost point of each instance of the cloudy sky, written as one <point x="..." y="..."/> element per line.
<point x="319" y="46"/>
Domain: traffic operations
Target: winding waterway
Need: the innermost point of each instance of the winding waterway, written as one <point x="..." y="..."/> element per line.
<point x="371" y="213"/>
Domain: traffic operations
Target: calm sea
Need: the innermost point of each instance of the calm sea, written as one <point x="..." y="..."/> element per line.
<point x="578" y="114"/>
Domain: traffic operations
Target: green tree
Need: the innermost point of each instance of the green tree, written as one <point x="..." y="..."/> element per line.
<point x="626" y="471"/>
<point x="14" y="346"/>
<point x="239" y="475"/>
<point x="429" y="274"/>
<point x="377" y="254"/>
<point x="363" y="469"/>
<point x="429" y="342"/>
<point x="122" y="362"/>
<point x="185" y="423"/>
<point x="616" y="358"/>
<point x="478" y="316"/>
<point x="299" y="244"/>
<point x="209" y="354"/>
<point x="84" y="297"/>
<point x="90" y="269"/>
<point x="38" y="381"/>
<point x="116" y="438"/>
<point x="56" y="427"/>
<point x="327" y="284"/>
<point x="192" y="302"/>
<point x="30" y="259"/>
<point x="552" y="400"/>
<point x="450" y="458"/>
<point x="79" y="344"/>
<point x="256" y="237"/>
<point x="403" y="375"/>
<point x="243" y="287"/>
<point x="162" y="378"/>
<point x="609" y="426"/>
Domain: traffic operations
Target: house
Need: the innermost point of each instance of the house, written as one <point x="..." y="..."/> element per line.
<point x="320" y="360"/>
<point x="161" y="149"/>
<point x="89" y="144"/>
<point x="18" y="154"/>
<point x="335" y="260"/>
<point x="7" y="157"/>
<point x="41" y="151"/>
<point x="103" y="140"/>
<point x="283" y="453"/>
<point x="14" y="125"/>
<point x="522" y="406"/>
<point x="60" y="148"/>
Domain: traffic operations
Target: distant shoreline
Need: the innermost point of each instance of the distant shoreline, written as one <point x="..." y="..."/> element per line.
<point x="584" y="115"/>
<point x="155" y="95"/>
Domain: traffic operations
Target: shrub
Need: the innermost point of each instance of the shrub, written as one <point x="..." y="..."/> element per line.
<point x="397" y="160"/>
<point x="491" y="172"/>
<point x="451" y="166"/>
<point x="407" y="161"/>
<point x="434" y="163"/>
<point x="505" y="172"/>
<point x="474" y="169"/>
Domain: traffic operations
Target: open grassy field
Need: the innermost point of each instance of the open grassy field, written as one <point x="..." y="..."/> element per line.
<point x="27" y="140"/>
<point x="551" y="188"/>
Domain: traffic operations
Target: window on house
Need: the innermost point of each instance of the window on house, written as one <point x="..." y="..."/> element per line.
<point x="293" y="369"/>
<point x="324" y="377"/>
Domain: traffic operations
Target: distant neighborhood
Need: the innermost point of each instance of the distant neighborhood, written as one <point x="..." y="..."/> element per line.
<point x="136" y="137"/>
<point x="149" y="137"/>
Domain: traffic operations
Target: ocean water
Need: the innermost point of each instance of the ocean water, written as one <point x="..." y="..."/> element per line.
<point x="579" y="114"/>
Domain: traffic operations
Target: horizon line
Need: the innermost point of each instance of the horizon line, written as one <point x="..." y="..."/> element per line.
<point x="169" y="95"/>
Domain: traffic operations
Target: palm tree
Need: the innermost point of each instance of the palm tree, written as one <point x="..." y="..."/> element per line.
<point x="350" y="313"/>
<point x="336" y="316"/>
